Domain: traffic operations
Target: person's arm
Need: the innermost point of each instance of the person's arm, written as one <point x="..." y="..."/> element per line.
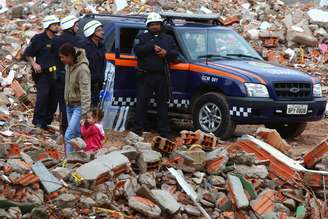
<point x="85" y="88"/>
<point x="172" y="52"/>
<point x="30" y="53"/>
<point x="142" y="48"/>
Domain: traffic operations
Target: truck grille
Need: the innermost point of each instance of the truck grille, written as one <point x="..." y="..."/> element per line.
<point x="295" y="90"/>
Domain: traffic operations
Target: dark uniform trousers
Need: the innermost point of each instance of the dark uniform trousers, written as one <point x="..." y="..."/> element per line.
<point x="153" y="82"/>
<point x="46" y="103"/>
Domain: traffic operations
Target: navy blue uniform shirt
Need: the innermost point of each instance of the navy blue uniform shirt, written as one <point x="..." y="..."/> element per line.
<point x="96" y="57"/>
<point x="148" y="60"/>
<point x="40" y="48"/>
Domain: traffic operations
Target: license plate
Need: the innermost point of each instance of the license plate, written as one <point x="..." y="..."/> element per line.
<point x="297" y="109"/>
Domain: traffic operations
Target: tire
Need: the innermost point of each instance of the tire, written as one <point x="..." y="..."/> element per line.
<point x="211" y="107"/>
<point x="290" y="130"/>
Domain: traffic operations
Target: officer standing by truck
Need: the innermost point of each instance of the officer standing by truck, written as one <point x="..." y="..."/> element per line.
<point x="69" y="25"/>
<point x="44" y="71"/>
<point x="94" y="33"/>
<point x="154" y="49"/>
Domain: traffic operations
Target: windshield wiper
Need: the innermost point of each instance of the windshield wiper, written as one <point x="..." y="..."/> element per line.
<point x="214" y="56"/>
<point x="243" y="55"/>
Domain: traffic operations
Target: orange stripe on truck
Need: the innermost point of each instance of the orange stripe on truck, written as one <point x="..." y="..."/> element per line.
<point x="242" y="71"/>
<point x="216" y="72"/>
<point x="132" y="62"/>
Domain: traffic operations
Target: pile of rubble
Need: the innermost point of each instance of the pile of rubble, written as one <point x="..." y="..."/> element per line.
<point x="197" y="176"/>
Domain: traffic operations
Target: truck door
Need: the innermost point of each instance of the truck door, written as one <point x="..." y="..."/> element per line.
<point x="125" y="84"/>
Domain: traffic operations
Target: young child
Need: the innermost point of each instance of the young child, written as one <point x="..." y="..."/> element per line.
<point x="92" y="131"/>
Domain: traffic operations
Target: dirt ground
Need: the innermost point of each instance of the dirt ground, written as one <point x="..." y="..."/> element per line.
<point x="315" y="132"/>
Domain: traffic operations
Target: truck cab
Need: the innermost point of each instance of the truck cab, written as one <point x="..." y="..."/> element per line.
<point x="218" y="80"/>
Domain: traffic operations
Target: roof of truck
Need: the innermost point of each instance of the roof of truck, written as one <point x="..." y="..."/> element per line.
<point x="180" y="20"/>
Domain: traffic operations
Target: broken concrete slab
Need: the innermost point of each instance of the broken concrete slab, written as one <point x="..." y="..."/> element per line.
<point x="133" y="138"/>
<point x="255" y="171"/>
<point x="130" y="152"/>
<point x="18" y="165"/>
<point x="87" y="202"/>
<point x="148" y="159"/>
<point x="237" y="192"/>
<point x="102" y="165"/>
<point x="66" y="200"/>
<point x="144" y="206"/>
<point x="49" y="181"/>
<point x="147" y="179"/>
<point x="318" y="16"/>
<point x="166" y="201"/>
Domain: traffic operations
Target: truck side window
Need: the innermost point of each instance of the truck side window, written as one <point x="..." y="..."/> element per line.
<point x="110" y="43"/>
<point x="127" y="36"/>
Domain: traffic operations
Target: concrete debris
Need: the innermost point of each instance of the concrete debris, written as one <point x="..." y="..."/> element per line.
<point x="102" y="165"/>
<point x="237" y="192"/>
<point x="166" y="201"/>
<point x="145" y="206"/>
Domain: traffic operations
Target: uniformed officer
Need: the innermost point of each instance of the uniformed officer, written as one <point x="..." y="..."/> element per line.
<point x="44" y="71"/>
<point x="154" y="49"/>
<point x="69" y="25"/>
<point x="94" y="33"/>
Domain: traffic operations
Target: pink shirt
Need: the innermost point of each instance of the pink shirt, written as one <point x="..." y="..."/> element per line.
<point x="92" y="136"/>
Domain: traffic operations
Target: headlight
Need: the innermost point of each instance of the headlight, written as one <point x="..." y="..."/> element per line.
<point x="317" y="92"/>
<point x="256" y="90"/>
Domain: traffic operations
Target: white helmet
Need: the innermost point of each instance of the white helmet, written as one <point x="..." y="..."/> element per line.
<point x="153" y="17"/>
<point x="68" y="22"/>
<point x="48" y="20"/>
<point x="90" y="27"/>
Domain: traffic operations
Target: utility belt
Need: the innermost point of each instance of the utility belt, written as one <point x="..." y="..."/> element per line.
<point x="51" y="69"/>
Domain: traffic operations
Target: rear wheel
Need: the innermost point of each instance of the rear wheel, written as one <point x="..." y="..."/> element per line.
<point x="211" y="115"/>
<point x="289" y="130"/>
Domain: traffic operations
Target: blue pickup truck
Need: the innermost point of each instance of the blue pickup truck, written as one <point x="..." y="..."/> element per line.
<point x="218" y="80"/>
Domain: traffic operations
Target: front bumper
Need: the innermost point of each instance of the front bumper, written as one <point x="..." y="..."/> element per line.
<point x="247" y="110"/>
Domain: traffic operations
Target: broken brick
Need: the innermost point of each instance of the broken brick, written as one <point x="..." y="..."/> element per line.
<point x="264" y="202"/>
<point x="230" y="20"/>
<point x="163" y="144"/>
<point x="273" y="138"/>
<point x="316" y="154"/>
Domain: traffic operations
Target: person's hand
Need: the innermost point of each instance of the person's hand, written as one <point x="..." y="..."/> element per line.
<point x="157" y="49"/>
<point x="82" y="122"/>
<point x="162" y="53"/>
<point x="37" y="68"/>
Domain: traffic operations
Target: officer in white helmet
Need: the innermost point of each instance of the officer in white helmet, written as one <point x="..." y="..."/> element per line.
<point x="154" y="50"/>
<point x="95" y="50"/>
<point x="39" y="54"/>
<point x="70" y="27"/>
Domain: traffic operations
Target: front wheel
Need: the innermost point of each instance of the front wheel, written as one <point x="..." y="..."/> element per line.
<point x="289" y="130"/>
<point x="211" y="114"/>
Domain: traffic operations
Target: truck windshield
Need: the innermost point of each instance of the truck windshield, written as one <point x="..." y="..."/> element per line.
<point x="216" y="44"/>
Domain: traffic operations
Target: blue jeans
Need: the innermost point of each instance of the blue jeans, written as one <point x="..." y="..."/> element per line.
<point x="73" y="129"/>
